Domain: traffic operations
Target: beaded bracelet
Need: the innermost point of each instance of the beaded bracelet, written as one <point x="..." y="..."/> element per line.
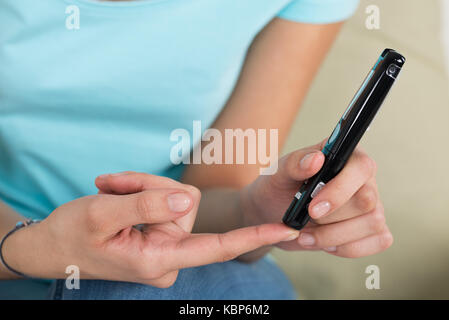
<point x="19" y="225"/>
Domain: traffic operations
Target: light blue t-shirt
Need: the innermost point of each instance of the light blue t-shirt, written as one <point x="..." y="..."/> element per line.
<point x="76" y="103"/>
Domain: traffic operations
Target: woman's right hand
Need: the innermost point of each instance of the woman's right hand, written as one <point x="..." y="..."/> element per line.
<point x="96" y="234"/>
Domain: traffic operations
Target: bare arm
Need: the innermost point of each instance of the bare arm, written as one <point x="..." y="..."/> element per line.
<point x="348" y="217"/>
<point x="276" y="76"/>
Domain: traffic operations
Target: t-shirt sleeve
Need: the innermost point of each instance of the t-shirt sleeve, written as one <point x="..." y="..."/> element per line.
<point x="318" y="11"/>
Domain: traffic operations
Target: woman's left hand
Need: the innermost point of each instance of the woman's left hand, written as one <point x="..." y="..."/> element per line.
<point x="348" y="216"/>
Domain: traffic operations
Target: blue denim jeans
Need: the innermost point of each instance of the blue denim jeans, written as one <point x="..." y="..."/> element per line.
<point x="230" y="280"/>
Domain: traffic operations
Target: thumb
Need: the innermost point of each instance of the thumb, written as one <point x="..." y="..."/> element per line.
<point x="113" y="213"/>
<point x="299" y="165"/>
<point x="129" y="182"/>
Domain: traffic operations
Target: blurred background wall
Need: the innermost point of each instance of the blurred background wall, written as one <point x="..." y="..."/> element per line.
<point x="409" y="140"/>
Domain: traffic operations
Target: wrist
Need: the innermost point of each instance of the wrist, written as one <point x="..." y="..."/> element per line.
<point x="5" y="272"/>
<point x="24" y="252"/>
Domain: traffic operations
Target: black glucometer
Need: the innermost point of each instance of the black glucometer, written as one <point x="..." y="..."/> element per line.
<point x="347" y="134"/>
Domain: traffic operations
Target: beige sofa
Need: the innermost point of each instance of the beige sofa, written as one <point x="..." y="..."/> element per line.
<point x="410" y="142"/>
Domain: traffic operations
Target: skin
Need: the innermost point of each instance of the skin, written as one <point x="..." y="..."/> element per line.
<point x="96" y="231"/>
<point x="353" y="227"/>
<point x="273" y="83"/>
<point x="239" y="214"/>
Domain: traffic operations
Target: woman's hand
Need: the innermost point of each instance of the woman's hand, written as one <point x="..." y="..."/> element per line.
<point x="348" y="217"/>
<point x="96" y="234"/>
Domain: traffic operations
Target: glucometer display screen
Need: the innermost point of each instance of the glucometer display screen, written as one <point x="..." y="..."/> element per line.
<point x="359" y="92"/>
<point x="333" y="137"/>
<point x="362" y="87"/>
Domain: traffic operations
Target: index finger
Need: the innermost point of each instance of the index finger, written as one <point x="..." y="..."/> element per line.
<point x="359" y="169"/>
<point x="131" y="182"/>
<point x="202" y="249"/>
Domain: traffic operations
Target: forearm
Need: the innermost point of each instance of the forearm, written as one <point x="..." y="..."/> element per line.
<point x="272" y="85"/>
<point x="222" y="210"/>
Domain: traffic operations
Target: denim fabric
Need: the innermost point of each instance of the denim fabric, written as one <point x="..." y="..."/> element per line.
<point x="230" y="280"/>
<point x="24" y="289"/>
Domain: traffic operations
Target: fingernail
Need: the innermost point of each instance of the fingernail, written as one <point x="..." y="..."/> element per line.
<point x="103" y="176"/>
<point x="306" y="161"/>
<point x="178" y="202"/>
<point x="119" y="173"/>
<point x="306" y="239"/>
<point x="330" y="249"/>
<point x="320" y="209"/>
<point x="292" y="236"/>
